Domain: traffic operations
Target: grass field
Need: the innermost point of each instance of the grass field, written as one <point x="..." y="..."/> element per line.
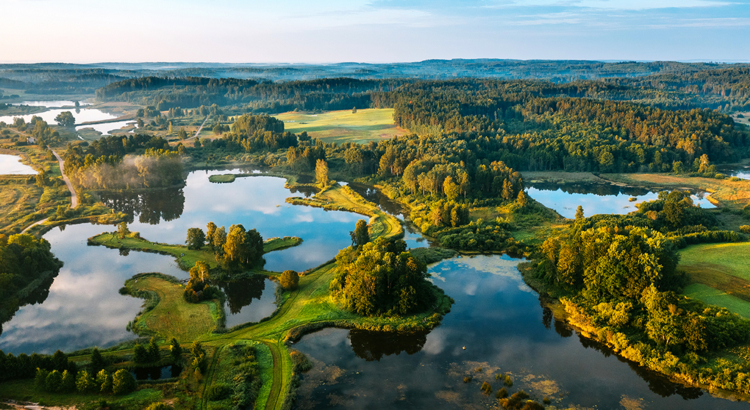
<point x="172" y="316"/>
<point x="373" y="124"/>
<point x="719" y="274"/>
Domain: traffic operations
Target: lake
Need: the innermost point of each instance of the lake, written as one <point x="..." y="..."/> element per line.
<point x="596" y="198"/>
<point x="12" y="165"/>
<point x="81" y="114"/>
<point x="84" y="308"/>
<point x="498" y="325"/>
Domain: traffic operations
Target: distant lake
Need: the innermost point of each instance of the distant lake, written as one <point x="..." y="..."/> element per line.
<point x="11" y="165"/>
<point x="597" y="198"/>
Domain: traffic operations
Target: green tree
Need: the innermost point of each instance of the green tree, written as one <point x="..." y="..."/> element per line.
<point x="321" y="172"/>
<point x="53" y="383"/>
<point x="123" y="382"/>
<point x="289" y="280"/>
<point x="153" y="351"/>
<point x="122" y="230"/>
<point x="68" y="382"/>
<point x="182" y="134"/>
<point x="40" y="380"/>
<point x="242" y="248"/>
<point x="85" y="383"/>
<point x="97" y="362"/>
<point x="210" y="231"/>
<point x="175" y="350"/>
<point x="140" y="354"/>
<point x="195" y="238"/>
<point x="522" y="201"/>
<point x="101" y="379"/>
<point x="451" y="189"/>
<point x="579" y="213"/>
<point x="361" y="234"/>
<point x="219" y="238"/>
<point x="65" y="119"/>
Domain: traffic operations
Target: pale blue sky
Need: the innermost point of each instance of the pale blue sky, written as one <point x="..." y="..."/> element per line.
<point x="372" y="31"/>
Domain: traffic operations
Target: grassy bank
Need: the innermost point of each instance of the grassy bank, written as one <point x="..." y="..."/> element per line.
<point x="166" y="314"/>
<point x="372" y="124"/>
<point x="338" y="198"/>
<point x="186" y="258"/>
<point x="719" y="274"/>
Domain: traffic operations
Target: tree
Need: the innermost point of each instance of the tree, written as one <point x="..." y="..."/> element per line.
<point x="182" y="134"/>
<point x="175" y="350"/>
<point x="153" y="351"/>
<point x="579" y="213"/>
<point x="219" y="238"/>
<point x="321" y="172"/>
<point x="53" y="383"/>
<point x="101" y="380"/>
<point x="289" y="280"/>
<point x="451" y="189"/>
<point x="361" y="234"/>
<point x="97" y="362"/>
<point x="68" y="382"/>
<point x="242" y="248"/>
<point x="210" y="231"/>
<point x="123" y="382"/>
<point x="40" y="380"/>
<point x="84" y="382"/>
<point x="140" y="354"/>
<point x="169" y="130"/>
<point x="521" y="200"/>
<point x="122" y="230"/>
<point x="195" y="238"/>
<point x="65" y="119"/>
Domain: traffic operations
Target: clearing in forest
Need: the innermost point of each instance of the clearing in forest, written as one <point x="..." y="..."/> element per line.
<point x="372" y="124"/>
<point x="719" y="274"/>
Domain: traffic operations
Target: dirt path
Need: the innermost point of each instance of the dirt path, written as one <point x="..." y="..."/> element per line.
<point x="199" y="129"/>
<point x="73" y="195"/>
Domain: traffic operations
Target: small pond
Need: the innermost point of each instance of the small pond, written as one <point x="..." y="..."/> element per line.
<point x="106" y="127"/>
<point x="597" y="198"/>
<point x="249" y="300"/>
<point x="80" y="115"/>
<point x="498" y="325"/>
<point x="156" y="373"/>
<point x="12" y="165"/>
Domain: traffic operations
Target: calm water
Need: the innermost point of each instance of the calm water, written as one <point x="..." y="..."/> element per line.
<point x="742" y="172"/>
<point x="84" y="308"/>
<point x="504" y="329"/>
<point x="156" y="373"/>
<point x="11" y="165"/>
<point x="81" y="115"/>
<point x="596" y="198"/>
<point x="108" y="127"/>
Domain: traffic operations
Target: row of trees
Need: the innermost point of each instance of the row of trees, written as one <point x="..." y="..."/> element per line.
<point x="117" y="383"/>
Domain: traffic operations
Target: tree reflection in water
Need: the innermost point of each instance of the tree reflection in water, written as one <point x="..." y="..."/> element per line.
<point x="372" y="346"/>
<point x="150" y="207"/>
<point x="240" y="293"/>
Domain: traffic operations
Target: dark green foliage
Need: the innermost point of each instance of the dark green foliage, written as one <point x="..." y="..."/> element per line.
<point x="175" y="350"/>
<point x="28" y="269"/>
<point x="140" y="354"/>
<point x="381" y="278"/>
<point x="53" y="382"/>
<point x="68" y="384"/>
<point x="153" y="351"/>
<point x="123" y="382"/>
<point x="196" y="238"/>
<point x="289" y="280"/>
<point x="300" y="361"/>
<point x="97" y="361"/>
<point x="361" y="234"/>
<point x="198" y="287"/>
<point x="158" y="406"/>
<point x="65" y="119"/>
<point x="502" y="393"/>
<point x="242" y="249"/>
<point x="219" y="391"/>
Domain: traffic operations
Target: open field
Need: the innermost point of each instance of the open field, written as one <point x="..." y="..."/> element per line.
<point x="172" y="316"/>
<point x="719" y="274"/>
<point x="373" y="124"/>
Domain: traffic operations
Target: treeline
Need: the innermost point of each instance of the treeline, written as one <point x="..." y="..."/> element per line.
<point x="29" y="267"/>
<point x="259" y="97"/>
<point x="136" y="161"/>
<point x="25" y="366"/>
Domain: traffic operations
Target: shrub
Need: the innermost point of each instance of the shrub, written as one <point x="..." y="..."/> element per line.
<point x="301" y="362"/>
<point x="289" y="280"/>
<point x="123" y="382"/>
<point x="745" y="228"/>
<point x="53" y="383"/>
<point x="486" y="388"/>
<point x="502" y="393"/>
<point x="158" y="406"/>
<point x="219" y="391"/>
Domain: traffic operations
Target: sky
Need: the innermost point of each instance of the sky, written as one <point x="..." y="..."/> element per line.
<point x="377" y="31"/>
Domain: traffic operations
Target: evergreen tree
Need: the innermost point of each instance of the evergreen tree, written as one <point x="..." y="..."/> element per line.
<point x="153" y="351"/>
<point x="175" y="350"/>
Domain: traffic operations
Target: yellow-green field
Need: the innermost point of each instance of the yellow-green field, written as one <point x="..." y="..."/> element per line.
<point x="719" y="274"/>
<point x="373" y="124"/>
<point x="172" y="316"/>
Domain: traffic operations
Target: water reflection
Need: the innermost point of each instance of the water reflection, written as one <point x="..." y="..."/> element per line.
<point x="497" y="325"/>
<point x="597" y="198"/>
<point x="156" y="373"/>
<point x="11" y="165"/>
<point x="249" y="300"/>
<point x="85" y="115"/>
<point x="150" y="207"/>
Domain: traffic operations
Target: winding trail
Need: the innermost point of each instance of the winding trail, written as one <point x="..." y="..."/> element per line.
<point x="199" y="128"/>
<point x="73" y="195"/>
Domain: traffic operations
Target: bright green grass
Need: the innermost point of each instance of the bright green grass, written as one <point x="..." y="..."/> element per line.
<point x="222" y="179"/>
<point x="25" y="390"/>
<point x="265" y="360"/>
<point x="716" y="297"/>
<point x="373" y="124"/>
<point x="731" y="258"/>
